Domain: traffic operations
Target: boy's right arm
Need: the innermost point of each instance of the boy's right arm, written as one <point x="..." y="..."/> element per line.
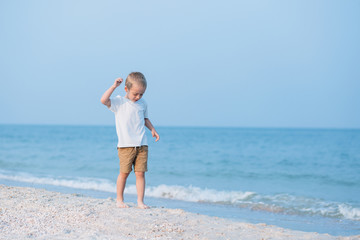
<point x="105" y="99"/>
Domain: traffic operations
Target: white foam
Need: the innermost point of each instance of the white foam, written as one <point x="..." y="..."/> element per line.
<point x="80" y="183"/>
<point x="349" y="212"/>
<point x="193" y="194"/>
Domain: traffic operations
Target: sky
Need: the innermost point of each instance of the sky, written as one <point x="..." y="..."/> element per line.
<point x="254" y="63"/>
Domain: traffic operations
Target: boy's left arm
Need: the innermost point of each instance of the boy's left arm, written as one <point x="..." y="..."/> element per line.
<point x="149" y="125"/>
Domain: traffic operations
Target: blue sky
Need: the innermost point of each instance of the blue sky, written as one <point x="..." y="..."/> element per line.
<point x="208" y="63"/>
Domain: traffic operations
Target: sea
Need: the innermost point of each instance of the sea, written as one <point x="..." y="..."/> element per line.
<point x="301" y="179"/>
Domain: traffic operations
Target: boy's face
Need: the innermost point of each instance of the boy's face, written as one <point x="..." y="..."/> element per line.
<point x="135" y="92"/>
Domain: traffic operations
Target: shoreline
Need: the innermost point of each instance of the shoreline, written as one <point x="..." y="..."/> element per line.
<point x="37" y="213"/>
<point x="331" y="226"/>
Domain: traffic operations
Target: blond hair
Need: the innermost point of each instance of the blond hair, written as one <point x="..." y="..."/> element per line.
<point x="135" y="77"/>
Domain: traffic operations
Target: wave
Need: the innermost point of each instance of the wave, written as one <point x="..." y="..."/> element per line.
<point x="79" y="183"/>
<point x="279" y="203"/>
<point x="194" y="194"/>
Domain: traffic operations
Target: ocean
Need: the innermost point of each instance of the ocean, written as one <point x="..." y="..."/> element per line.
<point x="303" y="179"/>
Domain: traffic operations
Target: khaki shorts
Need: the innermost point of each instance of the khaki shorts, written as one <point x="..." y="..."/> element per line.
<point x="136" y="156"/>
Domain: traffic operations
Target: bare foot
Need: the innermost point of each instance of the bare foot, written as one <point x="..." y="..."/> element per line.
<point x="121" y="204"/>
<point x="143" y="206"/>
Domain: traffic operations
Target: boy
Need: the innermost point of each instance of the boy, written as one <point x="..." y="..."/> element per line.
<point x="131" y="117"/>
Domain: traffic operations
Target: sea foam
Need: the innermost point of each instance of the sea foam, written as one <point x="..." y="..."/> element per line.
<point x="79" y="183"/>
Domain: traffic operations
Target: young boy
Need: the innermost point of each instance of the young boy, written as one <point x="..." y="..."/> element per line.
<point x="131" y="117"/>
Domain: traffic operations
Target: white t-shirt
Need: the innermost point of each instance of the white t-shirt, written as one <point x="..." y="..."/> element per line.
<point x="130" y="121"/>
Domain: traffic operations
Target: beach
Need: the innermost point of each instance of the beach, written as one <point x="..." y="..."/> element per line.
<point x="301" y="180"/>
<point x="40" y="214"/>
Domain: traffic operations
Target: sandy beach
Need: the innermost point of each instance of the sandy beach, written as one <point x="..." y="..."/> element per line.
<point x="40" y="214"/>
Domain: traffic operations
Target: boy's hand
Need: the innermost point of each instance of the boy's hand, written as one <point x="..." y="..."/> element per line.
<point x="117" y="82"/>
<point x="105" y="99"/>
<point x="155" y="135"/>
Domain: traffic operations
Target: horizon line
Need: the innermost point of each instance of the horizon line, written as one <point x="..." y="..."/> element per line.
<point x="184" y="126"/>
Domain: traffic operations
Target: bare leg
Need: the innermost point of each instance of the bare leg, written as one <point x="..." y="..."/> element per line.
<point x="140" y="187"/>
<point x="120" y="186"/>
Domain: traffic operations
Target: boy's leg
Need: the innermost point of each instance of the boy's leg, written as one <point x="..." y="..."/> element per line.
<point x="140" y="168"/>
<point x="120" y="186"/>
<point x="126" y="157"/>
<point x="140" y="187"/>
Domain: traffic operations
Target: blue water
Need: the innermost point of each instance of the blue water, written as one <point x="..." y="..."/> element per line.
<point x="305" y="179"/>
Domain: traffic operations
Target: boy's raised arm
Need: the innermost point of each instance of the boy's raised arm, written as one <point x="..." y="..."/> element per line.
<point x="105" y="99"/>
